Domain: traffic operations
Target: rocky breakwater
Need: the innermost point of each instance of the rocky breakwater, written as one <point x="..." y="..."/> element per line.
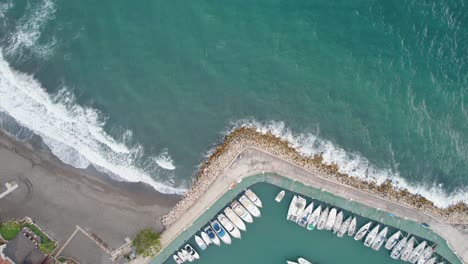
<point x="244" y="137"/>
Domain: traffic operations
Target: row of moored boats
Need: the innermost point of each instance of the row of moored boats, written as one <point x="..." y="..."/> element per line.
<point x="333" y="220"/>
<point x="226" y="225"/>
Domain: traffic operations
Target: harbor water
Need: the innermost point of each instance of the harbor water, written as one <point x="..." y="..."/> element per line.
<point x="272" y="239"/>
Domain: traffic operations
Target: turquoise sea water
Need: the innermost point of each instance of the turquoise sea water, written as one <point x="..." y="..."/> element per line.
<point x="273" y="239"/>
<point x="144" y="90"/>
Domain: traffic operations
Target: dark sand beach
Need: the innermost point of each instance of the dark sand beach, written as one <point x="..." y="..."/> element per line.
<point x="58" y="197"/>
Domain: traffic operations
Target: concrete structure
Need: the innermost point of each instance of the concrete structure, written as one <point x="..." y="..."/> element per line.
<point x="9" y="187"/>
<point x="250" y="161"/>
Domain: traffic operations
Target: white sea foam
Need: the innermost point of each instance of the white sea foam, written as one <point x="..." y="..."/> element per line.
<point x="165" y="161"/>
<point x="353" y="163"/>
<point x="74" y="133"/>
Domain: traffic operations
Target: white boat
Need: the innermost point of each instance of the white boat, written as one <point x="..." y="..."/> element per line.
<point x="371" y="236"/>
<point x="235" y="219"/>
<point x="249" y="206"/>
<point x="295" y="208"/>
<point x="192" y="252"/>
<point x="253" y="197"/>
<point x="212" y="235"/>
<point x="314" y="218"/>
<point x="380" y="239"/>
<point x="241" y="212"/>
<point x="362" y="231"/>
<point x="398" y="248"/>
<point x="177" y="259"/>
<point x="392" y="240"/>
<point x="291" y="262"/>
<point x="304" y="218"/>
<point x="344" y="227"/>
<point x="280" y="196"/>
<point x="201" y="244"/>
<point x="426" y="255"/>
<point x="303" y="261"/>
<point x="408" y="250"/>
<point x="225" y="237"/>
<point x="229" y="226"/>
<point x="331" y="219"/>
<point x="323" y="218"/>
<point x="301" y="204"/>
<point x="432" y="261"/>
<point x="181" y="256"/>
<point x="338" y="222"/>
<point x="417" y="252"/>
<point x="352" y="227"/>
<point x="205" y="238"/>
<point x="187" y="256"/>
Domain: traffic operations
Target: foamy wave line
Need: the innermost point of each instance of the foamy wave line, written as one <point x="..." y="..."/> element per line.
<point x="74" y="133"/>
<point x="352" y="164"/>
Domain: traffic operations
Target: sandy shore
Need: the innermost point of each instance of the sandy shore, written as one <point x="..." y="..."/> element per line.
<point x="58" y="197"/>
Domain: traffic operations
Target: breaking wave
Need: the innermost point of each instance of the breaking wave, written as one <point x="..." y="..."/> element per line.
<point x="353" y="164"/>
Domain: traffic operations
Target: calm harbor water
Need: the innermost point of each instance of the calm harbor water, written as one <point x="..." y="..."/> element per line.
<point x="273" y="239"/>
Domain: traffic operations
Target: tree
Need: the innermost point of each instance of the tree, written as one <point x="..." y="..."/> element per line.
<point x="147" y="243"/>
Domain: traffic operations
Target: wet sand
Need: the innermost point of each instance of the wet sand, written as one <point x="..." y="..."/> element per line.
<point x="58" y="197"/>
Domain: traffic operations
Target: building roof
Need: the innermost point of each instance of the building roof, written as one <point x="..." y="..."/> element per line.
<point x="23" y="250"/>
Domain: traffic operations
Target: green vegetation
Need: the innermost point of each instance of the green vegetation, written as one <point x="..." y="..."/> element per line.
<point x="62" y="259"/>
<point x="10" y="229"/>
<point x="147" y="243"/>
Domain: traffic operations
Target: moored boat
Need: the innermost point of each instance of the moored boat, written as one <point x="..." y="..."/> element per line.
<point x="344" y="227"/>
<point x="235" y="219"/>
<point x="314" y="217"/>
<point x="338" y="222"/>
<point x="380" y="239"/>
<point x="249" y="206"/>
<point x="417" y="252"/>
<point x="426" y="255"/>
<point x="398" y="248"/>
<point x="177" y="259"/>
<point x="222" y="234"/>
<point x="392" y="240"/>
<point x="253" y="197"/>
<point x="241" y="212"/>
<point x="279" y="197"/>
<point x="205" y="238"/>
<point x="323" y="218"/>
<point x="291" y="262"/>
<point x="432" y="261"/>
<point x="295" y="208"/>
<point x="229" y="226"/>
<point x="303" y="261"/>
<point x="212" y="235"/>
<point x="192" y="252"/>
<point x="352" y="227"/>
<point x="301" y="204"/>
<point x="201" y="244"/>
<point x="407" y="250"/>
<point x="305" y="215"/>
<point x="331" y="219"/>
<point x="187" y="256"/>
<point x="371" y="236"/>
<point x="362" y="231"/>
<point x="181" y="256"/>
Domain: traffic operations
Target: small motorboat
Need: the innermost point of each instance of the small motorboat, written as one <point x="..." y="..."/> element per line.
<point x="303" y="219"/>
<point x="177" y="259"/>
<point x="407" y="250"/>
<point x="187" y="256"/>
<point x="291" y="262"/>
<point x="380" y="239"/>
<point x="192" y="252"/>
<point x="229" y="226"/>
<point x="201" y="244"/>
<point x="398" y="248"/>
<point x="181" y="256"/>
<point x="352" y="227"/>
<point x="338" y="222"/>
<point x="206" y="238"/>
<point x="212" y="235"/>
<point x="362" y="231"/>
<point x="331" y="219"/>
<point x="344" y="227"/>
<point x="303" y="261"/>
<point x="253" y="197"/>
<point x="323" y="218"/>
<point x="392" y="240"/>
<point x="249" y="206"/>
<point x="280" y="196"/>
<point x="235" y="219"/>
<point x="225" y="237"/>
<point x="314" y="218"/>
<point x="417" y="252"/>
<point x="241" y="212"/>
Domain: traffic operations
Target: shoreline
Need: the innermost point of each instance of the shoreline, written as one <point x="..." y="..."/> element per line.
<point x="246" y="137"/>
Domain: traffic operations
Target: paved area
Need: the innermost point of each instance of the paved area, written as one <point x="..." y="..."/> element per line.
<point x="85" y="250"/>
<point x="253" y="161"/>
